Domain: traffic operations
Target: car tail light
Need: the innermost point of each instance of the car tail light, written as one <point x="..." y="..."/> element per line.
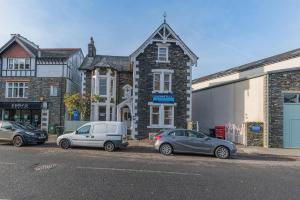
<point x="157" y="137"/>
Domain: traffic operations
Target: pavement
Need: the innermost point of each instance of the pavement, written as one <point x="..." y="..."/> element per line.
<point x="139" y="172"/>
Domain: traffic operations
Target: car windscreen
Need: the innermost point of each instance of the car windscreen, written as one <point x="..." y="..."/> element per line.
<point x="18" y="126"/>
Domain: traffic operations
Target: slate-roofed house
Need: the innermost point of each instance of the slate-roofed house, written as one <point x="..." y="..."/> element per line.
<point x="150" y="89"/>
<point x="33" y="81"/>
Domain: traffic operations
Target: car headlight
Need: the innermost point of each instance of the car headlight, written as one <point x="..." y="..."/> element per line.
<point x="30" y="133"/>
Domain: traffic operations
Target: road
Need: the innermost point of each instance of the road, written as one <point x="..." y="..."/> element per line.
<point x="47" y="172"/>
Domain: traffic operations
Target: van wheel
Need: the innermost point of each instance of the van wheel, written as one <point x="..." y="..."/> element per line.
<point x="64" y="144"/>
<point x="109" y="146"/>
<point x="18" y="141"/>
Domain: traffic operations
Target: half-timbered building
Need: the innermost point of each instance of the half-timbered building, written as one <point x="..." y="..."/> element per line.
<point x="33" y="81"/>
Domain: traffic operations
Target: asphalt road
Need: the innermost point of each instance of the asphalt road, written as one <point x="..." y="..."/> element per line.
<point x="47" y="172"/>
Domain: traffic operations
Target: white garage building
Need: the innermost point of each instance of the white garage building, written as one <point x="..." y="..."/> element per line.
<point x="266" y="91"/>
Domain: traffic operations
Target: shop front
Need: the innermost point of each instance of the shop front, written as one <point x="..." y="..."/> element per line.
<point x="28" y="112"/>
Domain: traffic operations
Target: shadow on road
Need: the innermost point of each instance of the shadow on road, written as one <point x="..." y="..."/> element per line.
<point x="147" y="149"/>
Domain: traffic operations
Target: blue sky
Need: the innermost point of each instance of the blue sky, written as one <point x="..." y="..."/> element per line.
<point x="223" y="33"/>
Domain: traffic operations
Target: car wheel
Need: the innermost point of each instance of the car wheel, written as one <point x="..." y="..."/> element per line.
<point x="222" y="152"/>
<point x="18" y="141"/>
<point x="166" y="149"/>
<point x="109" y="146"/>
<point x="64" y="144"/>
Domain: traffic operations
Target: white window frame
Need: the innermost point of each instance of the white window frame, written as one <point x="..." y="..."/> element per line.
<point x="25" y="88"/>
<point x="161" y="123"/>
<point x="53" y="91"/>
<point x="103" y="77"/>
<point x="13" y="61"/>
<point x="163" y="46"/>
<point x="162" y="73"/>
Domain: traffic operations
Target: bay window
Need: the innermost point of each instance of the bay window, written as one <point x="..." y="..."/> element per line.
<point x="16" y="89"/>
<point x="162" y="81"/>
<point x="161" y="116"/>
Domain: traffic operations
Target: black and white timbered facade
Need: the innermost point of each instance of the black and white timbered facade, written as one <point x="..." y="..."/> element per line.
<point x="150" y="89"/>
<point x="33" y="81"/>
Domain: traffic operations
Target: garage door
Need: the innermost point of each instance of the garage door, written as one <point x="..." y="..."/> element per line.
<point x="291" y="120"/>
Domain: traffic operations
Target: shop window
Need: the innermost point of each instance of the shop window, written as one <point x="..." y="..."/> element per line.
<point x="53" y="91"/>
<point x="162" y="81"/>
<point x="16" y="90"/>
<point x="162" y="115"/>
<point x="102" y="86"/>
<point x="291" y="98"/>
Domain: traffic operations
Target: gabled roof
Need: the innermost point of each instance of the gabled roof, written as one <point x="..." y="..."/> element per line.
<point x="256" y="64"/>
<point x="29" y="46"/>
<point x="41" y="53"/>
<point x="164" y="33"/>
<point x="119" y="63"/>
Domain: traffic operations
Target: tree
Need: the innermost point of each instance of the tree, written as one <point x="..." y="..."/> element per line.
<point x="81" y="103"/>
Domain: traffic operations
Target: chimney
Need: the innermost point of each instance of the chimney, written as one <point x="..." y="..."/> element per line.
<point x="91" y="48"/>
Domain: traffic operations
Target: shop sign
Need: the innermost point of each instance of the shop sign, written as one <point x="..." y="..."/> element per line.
<point x="21" y="105"/>
<point x="163" y="98"/>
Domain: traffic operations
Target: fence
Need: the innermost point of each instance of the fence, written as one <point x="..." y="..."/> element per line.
<point x="234" y="133"/>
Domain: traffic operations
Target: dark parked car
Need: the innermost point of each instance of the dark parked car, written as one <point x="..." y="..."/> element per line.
<point x="188" y="141"/>
<point x="19" y="134"/>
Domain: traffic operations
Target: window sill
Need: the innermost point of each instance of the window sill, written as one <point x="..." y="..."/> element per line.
<point x="161" y="126"/>
<point x="160" y="61"/>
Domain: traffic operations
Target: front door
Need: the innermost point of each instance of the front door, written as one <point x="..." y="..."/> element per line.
<point x="291" y="125"/>
<point x="126" y="117"/>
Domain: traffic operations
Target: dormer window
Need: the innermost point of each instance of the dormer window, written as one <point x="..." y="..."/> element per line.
<point x="18" y="63"/>
<point x="163" y="53"/>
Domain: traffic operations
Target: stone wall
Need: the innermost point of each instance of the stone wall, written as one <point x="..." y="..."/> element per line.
<point x="147" y="62"/>
<point x="279" y="82"/>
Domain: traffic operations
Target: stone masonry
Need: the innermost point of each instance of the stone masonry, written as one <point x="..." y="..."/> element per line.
<point x="279" y="82"/>
<point x="147" y="62"/>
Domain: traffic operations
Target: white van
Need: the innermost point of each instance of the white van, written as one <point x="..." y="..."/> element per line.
<point x="107" y="134"/>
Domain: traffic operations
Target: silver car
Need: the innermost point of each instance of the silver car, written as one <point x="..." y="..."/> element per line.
<point x="188" y="141"/>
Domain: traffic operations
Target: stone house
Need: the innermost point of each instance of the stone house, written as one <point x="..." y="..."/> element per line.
<point x="266" y="91"/>
<point x="33" y="81"/>
<point x="150" y="89"/>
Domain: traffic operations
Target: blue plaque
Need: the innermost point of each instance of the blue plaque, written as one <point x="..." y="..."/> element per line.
<point x="256" y="128"/>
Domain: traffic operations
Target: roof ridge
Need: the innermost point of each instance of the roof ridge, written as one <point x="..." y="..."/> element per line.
<point x="261" y="62"/>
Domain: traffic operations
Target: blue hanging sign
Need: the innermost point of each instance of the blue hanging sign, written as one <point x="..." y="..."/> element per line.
<point x="76" y="115"/>
<point x="163" y="98"/>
